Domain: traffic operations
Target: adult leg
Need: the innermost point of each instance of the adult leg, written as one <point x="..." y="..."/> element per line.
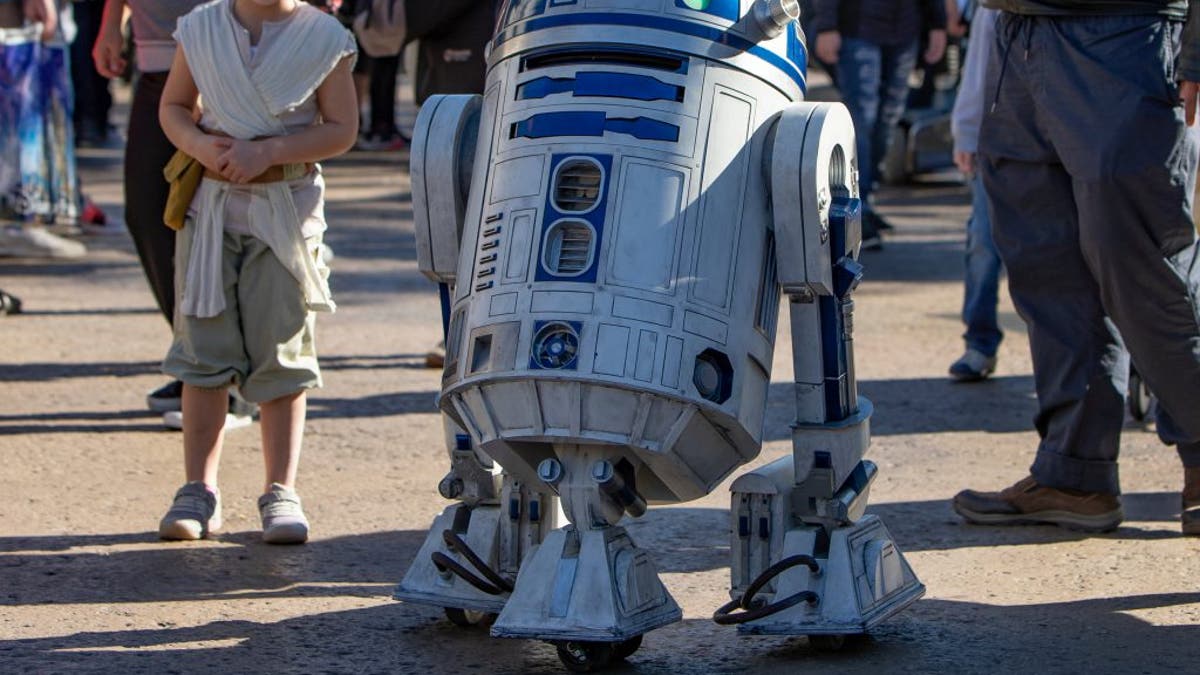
<point x="1134" y="168"/>
<point x="146" y="153"/>
<point x="860" y="74"/>
<point x="896" y="65"/>
<point x="382" y="85"/>
<point x="1080" y="368"/>
<point x="92" y="98"/>
<point x="982" y="282"/>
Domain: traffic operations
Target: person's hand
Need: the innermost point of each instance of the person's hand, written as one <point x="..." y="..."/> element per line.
<point x="208" y="151"/>
<point x="936" y="49"/>
<point x="106" y="53"/>
<point x="243" y="160"/>
<point x="44" y="12"/>
<point x="1189" y="94"/>
<point x="965" y="161"/>
<point x="829" y="44"/>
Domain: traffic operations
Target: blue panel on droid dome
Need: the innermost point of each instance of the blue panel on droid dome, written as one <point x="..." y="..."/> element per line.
<point x="603" y="84"/>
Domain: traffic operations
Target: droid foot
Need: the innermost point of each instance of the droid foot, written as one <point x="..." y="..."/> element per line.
<point x="1028" y="503"/>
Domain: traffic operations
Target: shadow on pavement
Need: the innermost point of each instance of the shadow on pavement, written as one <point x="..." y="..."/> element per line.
<point x="925" y="406"/>
<point x="44" y="372"/>
<point x="138" y="568"/>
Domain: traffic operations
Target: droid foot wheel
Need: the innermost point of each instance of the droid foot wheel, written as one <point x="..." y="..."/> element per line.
<point x="624" y="650"/>
<point x="1141" y="399"/>
<point x="467" y="618"/>
<point x="589" y="657"/>
<point x="829" y="643"/>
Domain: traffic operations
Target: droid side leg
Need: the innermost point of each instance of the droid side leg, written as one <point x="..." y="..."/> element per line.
<point x="588" y="589"/>
<point x="475" y="547"/>
<point x="806" y="560"/>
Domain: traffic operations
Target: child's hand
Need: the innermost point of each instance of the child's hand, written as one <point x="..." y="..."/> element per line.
<point x="208" y="151"/>
<point x="243" y="160"/>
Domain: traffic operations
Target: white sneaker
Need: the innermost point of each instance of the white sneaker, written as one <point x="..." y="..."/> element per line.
<point x="31" y="241"/>
<point x="173" y="419"/>
<point x="283" y="518"/>
<point x="973" y="366"/>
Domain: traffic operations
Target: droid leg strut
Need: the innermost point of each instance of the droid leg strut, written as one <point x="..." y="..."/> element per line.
<point x="588" y="588"/>
<point x="806" y="560"/>
<point x="474" y="548"/>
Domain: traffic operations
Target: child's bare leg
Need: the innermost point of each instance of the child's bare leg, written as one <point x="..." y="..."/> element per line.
<point x="203" y="432"/>
<point x="282" y="434"/>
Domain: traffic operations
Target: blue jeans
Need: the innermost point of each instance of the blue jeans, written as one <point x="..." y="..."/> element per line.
<point x="873" y="80"/>
<point x="982" y="280"/>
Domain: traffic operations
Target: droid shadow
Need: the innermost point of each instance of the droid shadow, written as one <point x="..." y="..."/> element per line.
<point x="1101" y="634"/>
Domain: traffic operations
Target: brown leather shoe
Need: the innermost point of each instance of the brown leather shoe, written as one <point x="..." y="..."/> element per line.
<point x="1191" y="500"/>
<point x="1029" y="503"/>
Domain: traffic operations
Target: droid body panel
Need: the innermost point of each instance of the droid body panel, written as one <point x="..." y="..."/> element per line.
<point x="623" y="223"/>
<point x="646" y="185"/>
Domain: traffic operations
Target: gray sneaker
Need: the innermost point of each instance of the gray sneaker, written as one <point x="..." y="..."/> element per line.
<point x="195" y="513"/>
<point x="283" y="520"/>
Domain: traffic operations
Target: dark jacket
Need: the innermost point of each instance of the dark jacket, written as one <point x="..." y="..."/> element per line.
<point x="883" y="22"/>
<point x="1189" y="56"/>
<point x="1174" y="8"/>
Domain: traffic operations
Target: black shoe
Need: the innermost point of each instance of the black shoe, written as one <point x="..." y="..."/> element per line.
<point x="9" y="304"/>
<point x="167" y="398"/>
<point x="871" y="240"/>
<point x="879" y="222"/>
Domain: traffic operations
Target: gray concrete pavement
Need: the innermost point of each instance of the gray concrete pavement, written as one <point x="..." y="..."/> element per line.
<point x="86" y="473"/>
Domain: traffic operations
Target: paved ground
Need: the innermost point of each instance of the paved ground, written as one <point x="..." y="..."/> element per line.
<point x="85" y="586"/>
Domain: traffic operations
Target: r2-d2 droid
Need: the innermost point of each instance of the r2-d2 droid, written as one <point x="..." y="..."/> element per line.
<point x="618" y="216"/>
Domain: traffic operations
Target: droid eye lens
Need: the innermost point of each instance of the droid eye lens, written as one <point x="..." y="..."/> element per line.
<point x="555" y="346"/>
<point x="713" y="376"/>
<point x="707" y="379"/>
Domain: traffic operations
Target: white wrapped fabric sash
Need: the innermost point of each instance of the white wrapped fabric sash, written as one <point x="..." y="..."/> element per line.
<point x="246" y="104"/>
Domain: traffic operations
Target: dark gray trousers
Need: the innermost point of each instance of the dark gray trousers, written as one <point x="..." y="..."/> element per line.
<point x="1089" y="169"/>
<point x="147" y="151"/>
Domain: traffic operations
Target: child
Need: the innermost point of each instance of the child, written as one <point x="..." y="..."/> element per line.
<point x="276" y="95"/>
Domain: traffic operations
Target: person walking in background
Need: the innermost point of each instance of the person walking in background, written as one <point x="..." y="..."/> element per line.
<point x="147" y="150"/>
<point x="874" y="44"/>
<point x="93" y="101"/>
<point x="38" y="181"/>
<point x="275" y="78"/>
<point x="982" y="280"/>
<point x="1088" y="153"/>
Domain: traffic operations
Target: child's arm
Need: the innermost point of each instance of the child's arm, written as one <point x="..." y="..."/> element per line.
<point x="175" y="116"/>
<point x="334" y="135"/>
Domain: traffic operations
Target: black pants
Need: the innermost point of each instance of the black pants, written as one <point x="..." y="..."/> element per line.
<point x="92" y="98"/>
<point x="1089" y="170"/>
<point x="146" y="153"/>
<point x="382" y="90"/>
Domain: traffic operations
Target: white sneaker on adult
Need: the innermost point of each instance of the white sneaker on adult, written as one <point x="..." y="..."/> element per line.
<point x="973" y="366"/>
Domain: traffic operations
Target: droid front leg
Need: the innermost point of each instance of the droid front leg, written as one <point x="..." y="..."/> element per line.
<point x="588" y="589"/>
<point x="806" y="560"/>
